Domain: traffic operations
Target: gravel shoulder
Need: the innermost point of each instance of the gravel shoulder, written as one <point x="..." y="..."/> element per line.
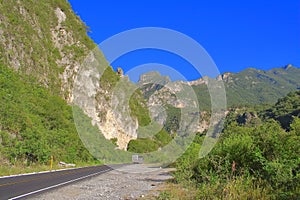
<point x="128" y="182"/>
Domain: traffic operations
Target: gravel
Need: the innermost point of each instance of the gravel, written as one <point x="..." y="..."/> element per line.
<point x="128" y="182"/>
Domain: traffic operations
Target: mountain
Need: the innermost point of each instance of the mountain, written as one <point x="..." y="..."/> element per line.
<point x="41" y="46"/>
<point x="47" y="41"/>
<point x="44" y="39"/>
<point x="248" y="87"/>
<point x="53" y="66"/>
<point x="285" y="110"/>
<point x="180" y="106"/>
<point x="253" y="86"/>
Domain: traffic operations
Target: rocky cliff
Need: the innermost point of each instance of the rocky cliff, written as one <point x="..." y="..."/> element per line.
<point x="46" y="40"/>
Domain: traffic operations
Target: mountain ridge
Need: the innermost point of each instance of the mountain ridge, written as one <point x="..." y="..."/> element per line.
<point x="47" y="41"/>
<point x="225" y="75"/>
<point x="242" y="88"/>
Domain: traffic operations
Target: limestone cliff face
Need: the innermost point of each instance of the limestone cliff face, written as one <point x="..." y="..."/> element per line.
<point x="114" y="119"/>
<point x="196" y="116"/>
<point x="104" y="95"/>
<point x="63" y="38"/>
<point x="46" y="40"/>
<point x="162" y="93"/>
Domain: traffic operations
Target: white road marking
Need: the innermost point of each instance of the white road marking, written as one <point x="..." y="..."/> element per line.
<point x="41" y="172"/>
<point x="60" y="184"/>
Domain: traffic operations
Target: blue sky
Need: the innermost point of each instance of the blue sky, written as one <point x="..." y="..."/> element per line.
<point x="236" y="34"/>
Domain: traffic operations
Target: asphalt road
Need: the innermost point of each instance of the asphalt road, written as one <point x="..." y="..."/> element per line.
<point x="22" y="186"/>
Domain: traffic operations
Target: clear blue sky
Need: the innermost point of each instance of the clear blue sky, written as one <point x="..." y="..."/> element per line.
<point x="236" y="34"/>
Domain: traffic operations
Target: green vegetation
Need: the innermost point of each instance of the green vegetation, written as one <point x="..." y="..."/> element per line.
<point x="285" y="110"/>
<point x="137" y="104"/>
<point x="139" y="109"/>
<point x="109" y="79"/>
<point x="162" y="137"/>
<point x="147" y="145"/>
<point x="142" y="145"/>
<point x="255" y="158"/>
<point x="173" y="119"/>
<point x="252" y="87"/>
<point x="27" y="29"/>
<point x="34" y="124"/>
<point x="101" y="148"/>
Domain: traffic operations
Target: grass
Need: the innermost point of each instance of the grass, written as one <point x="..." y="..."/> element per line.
<point x="7" y="170"/>
<point x="172" y="191"/>
<point x="234" y="189"/>
<point x="20" y="168"/>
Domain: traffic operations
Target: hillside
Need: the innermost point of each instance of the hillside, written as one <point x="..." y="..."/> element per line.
<point x="35" y="124"/>
<point x="44" y="56"/>
<point x="60" y="98"/>
<point x="44" y="39"/>
<point x="248" y="87"/>
<point x="253" y="86"/>
<point x="256" y="157"/>
<point x="47" y="41"/>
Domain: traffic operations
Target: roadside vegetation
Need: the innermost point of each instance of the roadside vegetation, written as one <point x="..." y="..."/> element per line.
<point x="256" y="157"/>
<point x="35" y="125"/>
<point x="160" y="139"/>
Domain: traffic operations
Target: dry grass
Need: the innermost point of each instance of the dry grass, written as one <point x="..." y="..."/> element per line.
<point x="6" y="170"/>
<point x="172" y="191"/>
<point x="235" y="189"/>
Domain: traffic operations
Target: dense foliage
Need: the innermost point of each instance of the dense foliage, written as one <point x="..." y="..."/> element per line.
<point x="285" y="110"/>
<point x="34" y="124"/>
<point x="162" y="137"/>
<point x="28" y="27"/>
<point x="251" y="87"/>
<point x="147" y="145"/>
<point x="139" y="108"/>
<point x="255" y="158"/>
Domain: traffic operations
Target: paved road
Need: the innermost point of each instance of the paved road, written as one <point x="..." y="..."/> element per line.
<point x="21" y="186"/>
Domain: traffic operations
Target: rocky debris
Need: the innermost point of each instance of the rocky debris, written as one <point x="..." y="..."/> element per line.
<point x="129" y="182"/>
<point x="63" y="164"/>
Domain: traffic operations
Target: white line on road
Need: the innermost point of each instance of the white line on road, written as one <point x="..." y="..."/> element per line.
<point x="42" y="172"/>
<point x="60" y="184"/>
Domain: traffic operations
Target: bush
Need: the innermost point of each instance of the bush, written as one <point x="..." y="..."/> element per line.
<point x="35" y="124"/>
<point x="142" y="145"/>
<point x="250" y="161"/>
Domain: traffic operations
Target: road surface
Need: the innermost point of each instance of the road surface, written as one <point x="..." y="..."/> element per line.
<point x="22" y="186"/>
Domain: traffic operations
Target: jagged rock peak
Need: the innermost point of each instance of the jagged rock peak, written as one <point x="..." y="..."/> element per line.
<point x="197" y="82"/>
<point x="153" y="77"/>
<point x="224" y="76"/>
<point x="288" y="66"/>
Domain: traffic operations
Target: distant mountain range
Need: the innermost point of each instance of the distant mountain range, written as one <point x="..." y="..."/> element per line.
<point x="248" y="87"/>
<point x="44" y="48"/>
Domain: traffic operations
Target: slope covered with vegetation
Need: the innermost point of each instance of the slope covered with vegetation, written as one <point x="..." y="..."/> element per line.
<point x="255" y="158"/>
<point x="35" y="124"/>
<point x="42" y="44"/>
<point x="252" y="86"/>
<point x="42" y="47"/>
<point x="43" y="38"/>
